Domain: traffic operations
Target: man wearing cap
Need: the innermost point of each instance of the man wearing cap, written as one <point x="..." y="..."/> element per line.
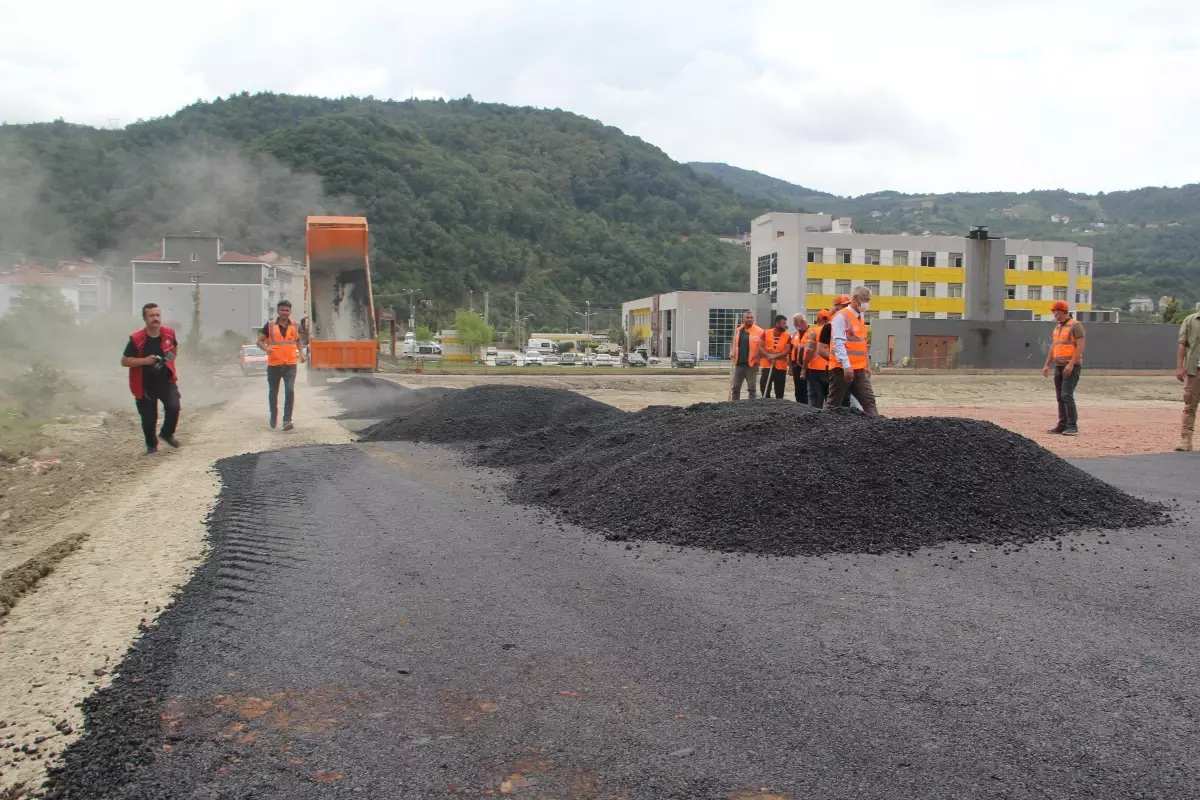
<point x="850" y="373"/>
<point x="816" y="367"/>
<point x="800" y="337"/>
<point x="1066" y="356"/>
<point x="745" y="352"/>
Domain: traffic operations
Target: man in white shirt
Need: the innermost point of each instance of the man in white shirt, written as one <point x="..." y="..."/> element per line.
<point x="851" y="371"/>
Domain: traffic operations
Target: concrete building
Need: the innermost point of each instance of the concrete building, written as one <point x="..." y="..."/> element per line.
<point x="691" y="321"/>
<point x="86" y="286"/>
<point x="14" y="284"/>
<point x="802" y="261"/>
<point x="1141" y="304"/>
<point x="985" y="344"/>
<point x="236" y="292"/>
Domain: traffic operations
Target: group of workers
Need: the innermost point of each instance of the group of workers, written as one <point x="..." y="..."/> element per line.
<point x="828" y="362"/>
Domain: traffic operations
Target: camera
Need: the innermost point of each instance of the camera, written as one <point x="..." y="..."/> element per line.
<point x="161" y="362"/>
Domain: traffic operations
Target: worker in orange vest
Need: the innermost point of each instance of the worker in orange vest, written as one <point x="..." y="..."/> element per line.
<point x="777" y="347"/>
<point x="745" y="352"/>
<point x="1066" y="356"/>
<point x="796" y="359"/>
<point x="281" y="340"/>
<point x="816" y="366"/>
<point x="825" y="345"/>
<point x="850" y="373"/>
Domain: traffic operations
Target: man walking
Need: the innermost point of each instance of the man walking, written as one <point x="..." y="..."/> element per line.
<point x="1066" y="356"/>
<point x="816" y="365"/>
<point x="150" y="358"/>
<point x="744" y="354"/>
<point x="281" y="340"/>
<point x="851" y="373"/>
<point x="1186" y="367"/>
<point x="777" y="345"/>
<point x="799" y="340"/>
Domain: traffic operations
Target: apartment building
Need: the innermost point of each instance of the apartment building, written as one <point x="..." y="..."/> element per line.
<point x="803" y="261"/>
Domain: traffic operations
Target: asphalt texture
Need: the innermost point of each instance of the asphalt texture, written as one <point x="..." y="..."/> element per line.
<point x="377" y="621"/>
<point x="746" y="477"/>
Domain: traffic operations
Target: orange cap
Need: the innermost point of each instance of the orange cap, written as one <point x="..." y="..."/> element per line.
<point x="823" y="315"/>
<point x="1060" y="305"/>
<point x="842" y="300"/>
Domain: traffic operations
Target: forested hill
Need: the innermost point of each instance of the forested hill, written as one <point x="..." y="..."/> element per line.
<point x="1147" y="241"/>
<point x="461" y="197"/>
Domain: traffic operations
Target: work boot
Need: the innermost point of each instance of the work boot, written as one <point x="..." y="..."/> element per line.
<point x="1070" y="431"/>
<point x="1056" y="429"/>
<point x="151" y="450"/>
<point x="287" y="426"/>
<point x="1185" y="443"/>
<point x="171" y="440"/>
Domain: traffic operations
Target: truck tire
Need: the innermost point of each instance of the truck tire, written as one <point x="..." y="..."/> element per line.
<point x="316" y="377"/>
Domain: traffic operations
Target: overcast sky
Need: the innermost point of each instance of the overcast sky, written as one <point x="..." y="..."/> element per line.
<point x="849" y="97"/>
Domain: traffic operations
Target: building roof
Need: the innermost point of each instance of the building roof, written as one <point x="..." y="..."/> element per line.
<point x="230" y="256"/>
<point x="34" y="277"/>
<point x="153" y="255"/>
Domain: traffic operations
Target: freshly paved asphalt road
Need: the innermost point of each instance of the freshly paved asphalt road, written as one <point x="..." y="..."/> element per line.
<point x="375" y="621"/>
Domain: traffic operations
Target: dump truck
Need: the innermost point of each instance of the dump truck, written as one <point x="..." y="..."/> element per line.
<point x="337" y="298"/>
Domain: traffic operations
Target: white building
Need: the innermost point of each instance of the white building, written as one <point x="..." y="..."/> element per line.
<point x="699" y="322"/>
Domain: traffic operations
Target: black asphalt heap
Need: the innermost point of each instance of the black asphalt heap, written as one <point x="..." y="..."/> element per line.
<point x="376" y="398"/>
<point x="488" y="412"/>
<point x="781" y="478"/>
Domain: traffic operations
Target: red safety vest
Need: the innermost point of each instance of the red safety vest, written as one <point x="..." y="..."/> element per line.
<point x="169" y="343"/>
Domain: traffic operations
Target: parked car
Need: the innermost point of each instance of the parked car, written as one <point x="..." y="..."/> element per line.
<point x="682" y="358"/>
<point x="567" y="360"/>
<point x="491" y="351"/>
<point x="253" y="359"/>
<point x="635" y="360"/>
<point x="505" y="359"/>
<point x="604" y="360"/>
<point x="534" y="358"/>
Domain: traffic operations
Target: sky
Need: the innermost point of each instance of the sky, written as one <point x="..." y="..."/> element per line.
<point x="850" y="97"/>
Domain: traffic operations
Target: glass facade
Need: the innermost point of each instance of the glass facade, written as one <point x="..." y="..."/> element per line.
<point x="721" y="322"/>
<point x="768" y="265"/>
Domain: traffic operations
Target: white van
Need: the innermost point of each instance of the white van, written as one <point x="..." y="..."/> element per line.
<point x="544" y="346"/>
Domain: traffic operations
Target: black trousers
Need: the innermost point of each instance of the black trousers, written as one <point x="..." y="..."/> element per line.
<point x="147" y="408"/>
<point x="818" y="387"/>
<point x="1064" y="392"/>
<point x="800" y="384"/>
<point x="773" y="378"/>
<point x="287" y="374"/>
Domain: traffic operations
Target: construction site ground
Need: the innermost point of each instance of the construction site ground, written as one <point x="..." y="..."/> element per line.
<point x="376" y="618"/>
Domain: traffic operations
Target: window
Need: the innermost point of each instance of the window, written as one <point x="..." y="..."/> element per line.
<point x="1034" y="292"/>
<point x="927" y="290"/>
<point x="928" y="259"/>
<point x="928" y="315"/>
<point x="194" y="257"/>
<point x="873" y="286"/>
<point x="954" y="315"/>
<point x="899" y="315"/>
<point x="1060" y="264"/>
<point x="721" y="322"/>
<point x="899" y="289"/>
<point x="1035" y="262"/>
<point x="816" y="255"/>
<point x="1081" y="297"/>
<point x="815" y="286"/>
<point x="872" y="257"/>
<point x="900" y="258"/>
<point x="1083" y="267"/>
<point x="954" y="290"/>
<point x="1012" y="262"/>
<point x="870" y="317"/>
<point x="1010" y="292"/>
<point x="843" y="256"/>
<point x="1060" y="293"/>
<point x="767" y="266"/>
<point x="841" y="287"/>
<point x="956" y="260"/>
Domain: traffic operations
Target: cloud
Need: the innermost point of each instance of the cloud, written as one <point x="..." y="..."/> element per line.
<point x="929" y="95"/>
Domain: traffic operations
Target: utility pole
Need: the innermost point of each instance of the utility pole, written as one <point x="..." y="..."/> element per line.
<point x="195" y="335"/>
<point x="412" y="307"/>
<point x="485" y="307"/>
<point x="517" y="316"/>
<point x="471" y="299"/>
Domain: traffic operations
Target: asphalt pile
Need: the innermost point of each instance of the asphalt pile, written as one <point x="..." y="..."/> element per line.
<point x="482" y="413"/>
<point x="770" y="476"/>
<point x="361" y="397"/>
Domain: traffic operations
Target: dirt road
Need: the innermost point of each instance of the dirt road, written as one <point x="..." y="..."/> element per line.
<point x="138" y="535"/>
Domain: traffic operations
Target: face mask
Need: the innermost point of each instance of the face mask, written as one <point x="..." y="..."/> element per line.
<point x="863" y="307"/>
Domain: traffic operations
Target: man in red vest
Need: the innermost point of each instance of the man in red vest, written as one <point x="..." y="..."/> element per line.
<point x="281" y="340"/>
<point x="150" y="358"/>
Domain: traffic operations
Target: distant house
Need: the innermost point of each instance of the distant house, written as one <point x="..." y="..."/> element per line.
<point x="1008" y="212"/>
<point x="743" y="239"/>
<point x="1151" y="224"/>
<point x="1164" y="301"/>
<point x="86" y="286"/>
<point x="1141" y="304"/>
<point x="13" y="285"/>
<point x="1055" y="218"/>
<point x="876" y="214"/>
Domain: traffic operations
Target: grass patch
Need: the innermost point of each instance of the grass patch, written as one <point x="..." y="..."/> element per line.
<point x="19" y="435"/>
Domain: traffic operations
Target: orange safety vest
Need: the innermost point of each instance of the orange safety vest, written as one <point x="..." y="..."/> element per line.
<point x="1063" y="349"/>
<point x="771" y="341"/>
<point x="756" y="335"/>
<point x="797" y="343"/>
<point x="816" y="363"/>
<point x="283" y="347"/>
<point x="856" y="341"/>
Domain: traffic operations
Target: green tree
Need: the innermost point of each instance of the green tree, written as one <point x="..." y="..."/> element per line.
<point x="473" y="332"/>
<point x="422" y="333"/>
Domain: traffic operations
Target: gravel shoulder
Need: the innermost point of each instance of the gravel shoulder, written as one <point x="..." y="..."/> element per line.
<point x="377" y="620"/>
<point x="137" y="536"/>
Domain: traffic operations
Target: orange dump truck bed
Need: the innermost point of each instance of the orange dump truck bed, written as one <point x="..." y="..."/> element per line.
<point x="338" y="297"/>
